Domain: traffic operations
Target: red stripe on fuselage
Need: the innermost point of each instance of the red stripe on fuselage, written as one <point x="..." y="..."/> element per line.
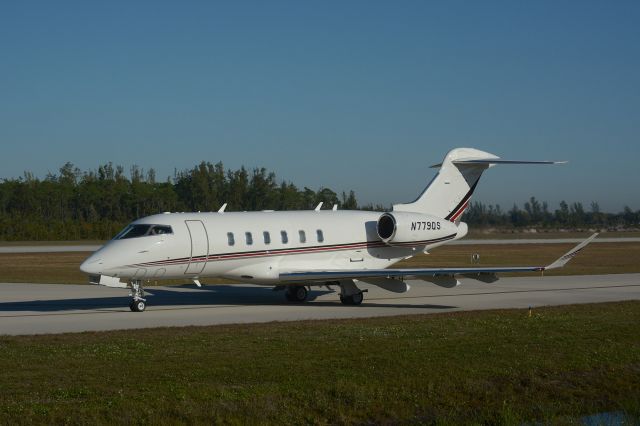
<point x="279" y="252"/>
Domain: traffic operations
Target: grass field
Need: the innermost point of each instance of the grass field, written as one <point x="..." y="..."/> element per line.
<point x="492" y="367"/>
<point x="601" y="258"/>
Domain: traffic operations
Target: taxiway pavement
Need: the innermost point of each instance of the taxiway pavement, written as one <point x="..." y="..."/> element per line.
<point x="58" y="308"/>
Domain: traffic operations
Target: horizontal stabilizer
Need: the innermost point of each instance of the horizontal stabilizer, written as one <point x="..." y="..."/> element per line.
<point x="490" y="161"/>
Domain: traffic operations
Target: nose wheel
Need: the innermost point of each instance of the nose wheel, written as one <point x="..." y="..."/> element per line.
<point x="138" y="306"/>
<point x="138" y="302"/>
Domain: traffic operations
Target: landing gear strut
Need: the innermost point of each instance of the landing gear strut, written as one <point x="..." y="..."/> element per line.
<point x="138" y="302"/>
<point x="296" y="293"/>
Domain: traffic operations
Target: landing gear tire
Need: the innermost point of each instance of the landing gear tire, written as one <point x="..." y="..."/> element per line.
<point x="353" y="300"/>
<point x="138" y="306"/>
<point x="296" y="293"/>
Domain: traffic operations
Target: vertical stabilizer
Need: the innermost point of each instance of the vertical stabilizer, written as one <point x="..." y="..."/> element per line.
<point x="450" y="191"/>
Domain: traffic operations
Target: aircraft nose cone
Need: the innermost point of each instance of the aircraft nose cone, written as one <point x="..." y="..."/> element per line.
<point x="92" y="266"/>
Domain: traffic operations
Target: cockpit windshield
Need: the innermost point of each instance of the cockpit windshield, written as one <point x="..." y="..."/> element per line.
<point x="135" y="231"/>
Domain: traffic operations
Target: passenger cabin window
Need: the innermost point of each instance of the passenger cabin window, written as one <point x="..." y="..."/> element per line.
<point x="249" y="238"/>
<point x="135" y="231"/>
<point x="285" y="238"/>
<point x="267" y="237"/>
<point x="230" y="238"/>
<point x="303" y="237"/>
<point x="319" y="235"/>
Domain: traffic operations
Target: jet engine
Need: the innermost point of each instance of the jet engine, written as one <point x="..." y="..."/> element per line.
<point x="414" y="229"/>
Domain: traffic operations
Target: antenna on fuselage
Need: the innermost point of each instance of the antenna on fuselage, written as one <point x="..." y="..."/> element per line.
<point x="319" y="206"/>
<point x="335" y="207"/>
<point x="221" y="209"/>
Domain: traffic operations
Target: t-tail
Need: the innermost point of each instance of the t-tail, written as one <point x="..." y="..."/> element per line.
<point x="450" y="191"/>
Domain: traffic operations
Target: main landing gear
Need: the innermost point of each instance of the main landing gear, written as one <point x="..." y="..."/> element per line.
<point x="296" y="293"/>
<point x="354" y="299"/>
<point x="350" y="294"/>
<point x="138" y="302"/>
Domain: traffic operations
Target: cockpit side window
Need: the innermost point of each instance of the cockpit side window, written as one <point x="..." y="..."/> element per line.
<point x="123" y="232"/>
<point x="135" y="231"/>
<point x="161" y="230"/>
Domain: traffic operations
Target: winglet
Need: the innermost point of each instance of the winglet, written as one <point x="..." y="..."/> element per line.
<point x="563" y="260"/>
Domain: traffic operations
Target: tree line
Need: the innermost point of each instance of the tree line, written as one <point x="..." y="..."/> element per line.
<point x="75" y="205"/>
<point x="536" y="214"/>
<point x="96" y="204"/>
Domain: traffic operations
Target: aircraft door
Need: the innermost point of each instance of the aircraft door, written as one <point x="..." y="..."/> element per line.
<point x="199" y="246"/>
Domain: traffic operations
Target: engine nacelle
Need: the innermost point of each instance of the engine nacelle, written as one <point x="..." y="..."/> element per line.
<point x="414" y="229"/>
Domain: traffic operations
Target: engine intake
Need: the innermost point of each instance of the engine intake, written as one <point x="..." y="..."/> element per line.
<point x="386" y="226"/>
<point x="414" y="229"/>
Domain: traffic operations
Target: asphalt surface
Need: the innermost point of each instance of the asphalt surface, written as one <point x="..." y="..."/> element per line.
<point x="57" y="308"/>
<point x="91" y="248"/>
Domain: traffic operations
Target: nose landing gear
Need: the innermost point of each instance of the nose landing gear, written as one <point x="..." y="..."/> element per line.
<point x="138" y="302"/>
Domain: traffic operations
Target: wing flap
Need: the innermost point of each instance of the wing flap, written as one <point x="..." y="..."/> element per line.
<point x="335" y="275"/>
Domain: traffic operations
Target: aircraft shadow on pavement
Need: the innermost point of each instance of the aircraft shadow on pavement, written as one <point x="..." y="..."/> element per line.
<point x="213" y="295"/>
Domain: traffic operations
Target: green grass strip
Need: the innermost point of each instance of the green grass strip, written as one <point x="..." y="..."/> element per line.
<point x="493" y="367"/>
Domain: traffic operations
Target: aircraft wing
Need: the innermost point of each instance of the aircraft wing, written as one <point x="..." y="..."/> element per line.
<point x="335" y="275"/>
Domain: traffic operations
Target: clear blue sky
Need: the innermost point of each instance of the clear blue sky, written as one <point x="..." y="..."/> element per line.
<point x="359" y="95"/>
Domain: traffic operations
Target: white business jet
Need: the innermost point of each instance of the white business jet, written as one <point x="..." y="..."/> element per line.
<point x="295" y="250"/>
